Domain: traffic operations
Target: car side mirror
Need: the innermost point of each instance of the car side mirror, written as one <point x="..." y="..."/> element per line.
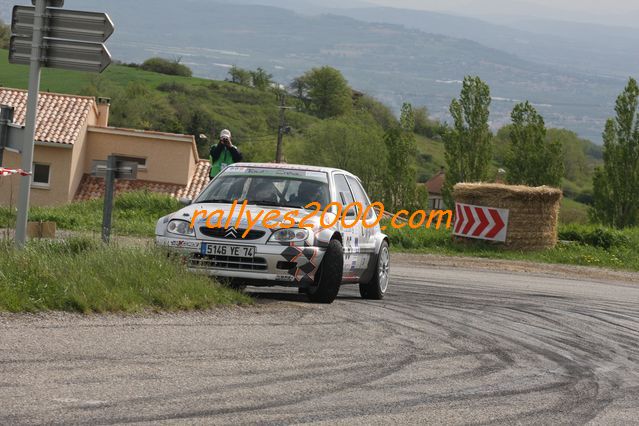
<point x="185" y="201"/>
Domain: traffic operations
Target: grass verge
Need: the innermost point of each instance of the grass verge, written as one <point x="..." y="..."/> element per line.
<point x="581" y="245"/>
<point x="135" y="214"/>
<point x="82" y="275"/>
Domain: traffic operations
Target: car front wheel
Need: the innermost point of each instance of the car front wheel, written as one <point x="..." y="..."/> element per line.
<point x="329" y="276"/>
<point x="377" y="286"/>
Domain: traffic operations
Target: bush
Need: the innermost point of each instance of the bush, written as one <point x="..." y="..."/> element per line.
<point x="595" y="236"/>
<point x="174" y="87"/>
<point x="164" y="66"/>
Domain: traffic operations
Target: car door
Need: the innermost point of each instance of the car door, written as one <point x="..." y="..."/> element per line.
<point x="351" y="235"/>
<point x="365" y="238"/>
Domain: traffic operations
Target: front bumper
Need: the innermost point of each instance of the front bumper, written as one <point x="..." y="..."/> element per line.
<point x="292" y="265"/>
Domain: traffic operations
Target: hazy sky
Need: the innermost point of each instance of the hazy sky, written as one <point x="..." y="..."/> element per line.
<point x="588" y="6"/>
<point x="622" y="12"/>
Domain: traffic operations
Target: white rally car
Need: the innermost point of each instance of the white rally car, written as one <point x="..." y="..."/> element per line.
<point x="316" y="259"/>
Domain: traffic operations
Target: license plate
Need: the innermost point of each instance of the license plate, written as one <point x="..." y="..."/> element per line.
<point x="227" y="250"/>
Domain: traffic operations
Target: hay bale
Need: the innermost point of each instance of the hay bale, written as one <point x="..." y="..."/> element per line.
<point x="534" y="212"/>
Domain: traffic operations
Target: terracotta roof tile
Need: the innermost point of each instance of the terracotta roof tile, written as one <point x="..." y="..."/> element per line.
<point x="436" y="183"/>
<point x="60" y="117"/>
<point x="199" y="180"/>
<point x="92" y="188"/>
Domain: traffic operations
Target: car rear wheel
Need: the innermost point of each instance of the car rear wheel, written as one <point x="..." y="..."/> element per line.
<point x="329" y="276"/>
<point x="377" y="286"/>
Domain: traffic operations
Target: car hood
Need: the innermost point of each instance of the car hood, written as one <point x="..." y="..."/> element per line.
<point x="189" y="212"/>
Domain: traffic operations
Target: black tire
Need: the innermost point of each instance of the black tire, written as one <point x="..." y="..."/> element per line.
<point x="377" y="286"/>
<point x="329" y="276"/>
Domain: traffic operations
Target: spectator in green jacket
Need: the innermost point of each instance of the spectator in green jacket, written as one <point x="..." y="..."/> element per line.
<point x="224" y="154"/>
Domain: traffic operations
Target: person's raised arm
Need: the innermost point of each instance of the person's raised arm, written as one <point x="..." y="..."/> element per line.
<point x="235" y="154"/>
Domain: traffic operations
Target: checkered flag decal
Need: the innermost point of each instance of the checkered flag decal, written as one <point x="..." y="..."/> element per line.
<point x="306" y="267"/>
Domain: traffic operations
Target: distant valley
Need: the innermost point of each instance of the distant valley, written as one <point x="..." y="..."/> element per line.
<point x="395" y="63"/>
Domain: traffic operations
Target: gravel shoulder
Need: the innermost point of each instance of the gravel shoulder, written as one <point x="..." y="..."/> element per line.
<point x="548" y="269"/>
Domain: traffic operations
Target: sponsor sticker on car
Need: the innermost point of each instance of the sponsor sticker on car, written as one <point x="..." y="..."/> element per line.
<point x="184" y="244"/>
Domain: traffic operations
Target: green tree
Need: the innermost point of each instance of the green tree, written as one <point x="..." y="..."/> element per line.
<point x="380" y="112"/>
<point x="261" y="79"/>
<point x="424" y="125"/>
<point x="401" y="179"/>
<point x="532" y="160"/>
<point x="328" y="92"/>
<point x="240" y="76"/>
<point x="5" y="35"/>
<point x="468" y="143"/>
<point x="616" y="185"/>
<point x="354" y="143"/>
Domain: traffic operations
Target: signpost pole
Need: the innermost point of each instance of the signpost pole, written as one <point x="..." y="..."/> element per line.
<point x="30" y="122"/>
<point x="109" y="192"/>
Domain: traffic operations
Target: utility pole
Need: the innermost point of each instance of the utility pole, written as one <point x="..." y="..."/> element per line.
<point x="30" y="121"/>
<point x="282" y="129"/>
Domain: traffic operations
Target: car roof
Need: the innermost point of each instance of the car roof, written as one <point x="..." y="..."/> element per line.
<point x="292" y="167"/>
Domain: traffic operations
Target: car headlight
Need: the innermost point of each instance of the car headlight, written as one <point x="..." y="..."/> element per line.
<point x="180" y="227"/>
<point x="292" y="235"/>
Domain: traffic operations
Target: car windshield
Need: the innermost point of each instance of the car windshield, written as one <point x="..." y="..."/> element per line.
<point x="268" y="187"/>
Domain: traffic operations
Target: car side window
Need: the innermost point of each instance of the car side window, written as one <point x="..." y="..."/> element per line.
<point x="360" y="195"/>
<point x="343" y="190"/>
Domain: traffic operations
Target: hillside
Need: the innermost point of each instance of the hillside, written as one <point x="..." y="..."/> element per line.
<point x="194" y="105"/>
<point x="154" y="101"/>
<point x="391" y="62"/>
<point x="251" y="114"/>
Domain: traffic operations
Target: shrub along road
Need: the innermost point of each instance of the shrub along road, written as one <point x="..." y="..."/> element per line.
<point x="447" y="345"/>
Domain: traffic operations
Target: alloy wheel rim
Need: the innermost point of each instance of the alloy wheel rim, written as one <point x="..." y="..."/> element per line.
<point x="383" y="269"/>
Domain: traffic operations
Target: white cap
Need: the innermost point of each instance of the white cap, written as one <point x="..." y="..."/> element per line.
<point x="225" y="134"/>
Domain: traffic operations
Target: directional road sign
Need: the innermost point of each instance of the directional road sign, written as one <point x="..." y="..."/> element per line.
<point x="95" y="27"/>
<point x="484" y="223"/>
<point x="125" y="170"/>
<point x="51" y="3"/>
<point x="65" y="54"/>
<point x="15" y="137"/>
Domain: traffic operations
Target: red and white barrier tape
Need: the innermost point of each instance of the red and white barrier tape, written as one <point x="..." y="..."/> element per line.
<point x="9" y="172"/>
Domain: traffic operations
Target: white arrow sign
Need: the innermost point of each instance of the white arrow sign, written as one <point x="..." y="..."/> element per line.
<point x="95" y="27"/>
<point x="65" y="54"/>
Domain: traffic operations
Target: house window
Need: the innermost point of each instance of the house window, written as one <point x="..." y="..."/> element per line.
<point x="41" y="175"/>
<point x="141" y="161"/>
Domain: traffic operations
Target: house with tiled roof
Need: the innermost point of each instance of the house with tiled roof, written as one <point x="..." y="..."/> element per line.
<point x="435" y="186"/>
<point x="73" y="131"/>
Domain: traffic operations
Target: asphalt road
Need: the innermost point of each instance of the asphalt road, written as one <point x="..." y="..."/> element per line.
<point x="446" y="346"/>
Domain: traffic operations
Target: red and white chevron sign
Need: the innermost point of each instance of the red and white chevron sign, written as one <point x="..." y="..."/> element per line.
<point x="9" y="172"/>
<point x="484" y="223"/>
